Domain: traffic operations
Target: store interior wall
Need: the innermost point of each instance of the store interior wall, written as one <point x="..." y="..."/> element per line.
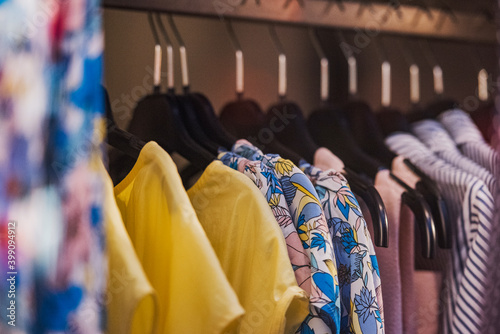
<point x="129" y="50"/>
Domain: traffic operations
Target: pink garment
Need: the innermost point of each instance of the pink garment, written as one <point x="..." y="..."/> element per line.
<point x="388" y="258"/>
<point x="407" y="267"/>
<point x="324" y="159"/>
<point x="401" y="170"/>
<point x="420" y="310"/>
<point x="427" y="283"/>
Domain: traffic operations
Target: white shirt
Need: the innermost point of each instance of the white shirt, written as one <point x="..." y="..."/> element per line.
<point x="467" y="136"/>
<point x="435" y="136"/>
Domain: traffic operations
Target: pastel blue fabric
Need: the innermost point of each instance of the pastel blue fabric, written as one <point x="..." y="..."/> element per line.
<point x="309" y="220"/>
<point x="358" y="272"/>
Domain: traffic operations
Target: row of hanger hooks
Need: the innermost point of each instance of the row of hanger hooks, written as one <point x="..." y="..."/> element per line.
<point x="155" y="19"/>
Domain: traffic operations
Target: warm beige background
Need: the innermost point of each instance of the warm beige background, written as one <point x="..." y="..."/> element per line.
<point x="129" y="60"/>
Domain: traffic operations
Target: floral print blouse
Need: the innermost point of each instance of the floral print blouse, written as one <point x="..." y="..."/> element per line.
<point x="359" y="276"/>
<point x="309" y="220"/>
<point x="266" y="180"/>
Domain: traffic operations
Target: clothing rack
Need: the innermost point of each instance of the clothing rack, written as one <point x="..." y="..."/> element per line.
<point x="390" y="17"/>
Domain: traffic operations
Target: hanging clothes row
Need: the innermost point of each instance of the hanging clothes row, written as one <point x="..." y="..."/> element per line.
<point x="334" y="219"/>
<point x="309" y="180"/>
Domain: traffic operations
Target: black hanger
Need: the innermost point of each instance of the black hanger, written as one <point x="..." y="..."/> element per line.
<point x="192" y="124"/>
<point x="244" y="119"/>
<point x="365" y="130"/>
<point x="286" y="115"/>
<point x="438" y="207"/>
<point x="186" y="101"/>
<point x="329" y="129"/>
<point x="293" y="129"/>
<point x="365" y="189"/>
<point x="211" y="125"/>
<point x="333" y="124"/>
<point x="206" y="115"/>
<point x="440" y="103"/>
<point x="393" y="121"/>
<point x="128" y="146"/>
<point x="367" y="134"/>
<point x="122" y="140"/>
<point x="158" y="117"/>
<point x="423" y="216"/>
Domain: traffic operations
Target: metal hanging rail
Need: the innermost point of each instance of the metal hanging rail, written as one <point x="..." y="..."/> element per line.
<point x="367" y="19"/>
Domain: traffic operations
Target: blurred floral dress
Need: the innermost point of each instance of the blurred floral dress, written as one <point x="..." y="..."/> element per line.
<point x="50" y="190"/>
<point x="309" y="220"/>
<point x="359" y="276"/>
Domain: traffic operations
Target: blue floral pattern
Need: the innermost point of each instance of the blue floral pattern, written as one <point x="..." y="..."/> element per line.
<point x="359" y="276"/>
<point x="309" y="220"/>
<point x="266" y="180"/>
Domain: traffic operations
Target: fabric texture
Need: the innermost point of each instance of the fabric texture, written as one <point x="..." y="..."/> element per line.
<point x="433" y="134"/>
<point x="267" y="182"/>
<point x="407" y="268"/>
<point x="420" y="315"/>
<point x="132" y="306"/>
<point x="358" y="270"/>
<point x="50" y="189"/>
<point x="428" y="286"/>
<point x="251" y="248"/>
<point x="389" y="258"/>
<point x="309" y="220"/>
<point x="470" y="207"/>
<point x="194" y="295"/>
<point x="324" y="159"/>
<point x="467" y="136"/>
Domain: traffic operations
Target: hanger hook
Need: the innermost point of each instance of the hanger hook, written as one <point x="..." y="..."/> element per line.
<point x="482" y="73"/>
<point x="170" y="53"/>
<point x="352" y="65"/>
<point x="281" y="61"/>
<point x="413" y="68"/>
<point x="239" y="58"/>
<point x="182" y="53"/>
<point x="437" y="71"/>
<point x="325" y="80"/>
<point x="157" y="57"/>
<point x="386" y="72"/>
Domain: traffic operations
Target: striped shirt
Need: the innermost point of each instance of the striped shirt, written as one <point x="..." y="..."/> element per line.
<point x="467" y="136"/>
<point x="470" y="205"/>
<point x="436" y="138"/>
